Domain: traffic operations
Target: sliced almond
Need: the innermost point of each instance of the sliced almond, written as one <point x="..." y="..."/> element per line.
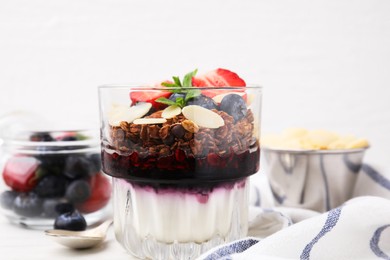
<point x="119" y="113"/>
<point x="149" y="121"/>
<point x="218" y="98"/>
<point x="203" y="117"/>
<point x="171" y="111"/>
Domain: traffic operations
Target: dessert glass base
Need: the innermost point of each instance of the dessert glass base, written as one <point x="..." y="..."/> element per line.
<point x="178" y="221"/>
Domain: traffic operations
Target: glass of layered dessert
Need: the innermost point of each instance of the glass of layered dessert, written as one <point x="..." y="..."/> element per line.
<point x="180" y="154"/>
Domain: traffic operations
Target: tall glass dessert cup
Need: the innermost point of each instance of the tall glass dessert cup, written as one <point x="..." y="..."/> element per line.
<point x="181" y="169"/>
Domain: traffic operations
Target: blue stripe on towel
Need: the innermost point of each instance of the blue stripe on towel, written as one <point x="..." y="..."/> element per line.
<point x="376" y="176"/>
<point x="331" y="221"/>
<point x="374" y="243"/>
<point x="233" y="248"/>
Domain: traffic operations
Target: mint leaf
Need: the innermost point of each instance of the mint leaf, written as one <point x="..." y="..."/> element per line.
<point x="183" y="87"/>
<point x="187" y="80"/>
<point x="177" y="81"/>
<point x="192" y="93"/>
<point x="166" y="101"/>
<point x="180" y="102"/>
<point x="169" y="85"/>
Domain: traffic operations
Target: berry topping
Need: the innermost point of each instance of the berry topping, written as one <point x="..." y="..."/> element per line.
<point x="149" y="97"/>
<point x="234" y="105"/>
<point x="28" y="205"/>
<point x="7" y="199"/>
<point x="51" y="186"/>
<point x="100" y="194"/>
<point x="203" y="101"/>
<point x="71" y="221"/>
<point x="78" y="191"/>
<point x="217" y="78"/>
<point x="203" y="117"/>
<point x="218" y="98"/>
<point x="20" y="173"/>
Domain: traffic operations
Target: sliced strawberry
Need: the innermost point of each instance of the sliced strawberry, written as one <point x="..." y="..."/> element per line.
<point x="217" y="78"/>
<point x="20" y="173"/>
<point x="151" y="96"/>
<point x="100" y="194"/>
<point x="200" y="81"/>
<point x="231" y="78"/>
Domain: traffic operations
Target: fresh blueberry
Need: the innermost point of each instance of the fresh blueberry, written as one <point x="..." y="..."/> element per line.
<point x="28" y="205"/>
<point x="7" y="199"/>
<point x="96" y="162"/>
<point x="51" y="161"/>
<point x="77" y="166"/>
<point x="55" y="207"/>
<point x="78" y="191"/>
<point x="70" y="221"/>
<point x="51" y="186"/>
<point x="203" y="101"/>
<point x="175" y="96"/>
<point x="234" y="105"/>
<point x="41" y="137"/>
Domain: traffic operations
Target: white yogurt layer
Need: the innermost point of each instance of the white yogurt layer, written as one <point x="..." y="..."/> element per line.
<point x="180" y="216"/>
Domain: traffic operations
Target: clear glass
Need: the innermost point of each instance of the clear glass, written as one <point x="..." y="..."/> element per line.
<point x="180" y="179"/>
<point x="43" y="172"/>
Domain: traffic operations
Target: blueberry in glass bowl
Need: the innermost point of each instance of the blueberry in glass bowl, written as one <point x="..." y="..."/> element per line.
<point x="51" y="173"/>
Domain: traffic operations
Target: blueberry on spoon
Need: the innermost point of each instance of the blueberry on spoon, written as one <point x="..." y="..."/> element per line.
<point x="70" y="221"/>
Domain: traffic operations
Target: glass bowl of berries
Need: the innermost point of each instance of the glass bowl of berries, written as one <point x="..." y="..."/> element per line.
<point x="53" y="178"/>
<point x="180" y="154"/>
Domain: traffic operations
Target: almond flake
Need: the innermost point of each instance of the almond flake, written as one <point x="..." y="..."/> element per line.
<point x="171" y="111"/>
<point x="119" y="113"/>
<point x="218" y="98"/>
<point x="203" y="117"/>
<point x="149" y="121"/>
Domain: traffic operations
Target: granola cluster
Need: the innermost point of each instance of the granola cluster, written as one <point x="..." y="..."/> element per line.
<point x="181" y="133"/>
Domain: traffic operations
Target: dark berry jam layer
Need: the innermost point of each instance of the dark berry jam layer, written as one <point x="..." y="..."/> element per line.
<point x="180" y="167"/>
<point x="201" y="188"/>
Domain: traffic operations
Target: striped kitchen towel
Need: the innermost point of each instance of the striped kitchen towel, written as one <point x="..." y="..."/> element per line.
<point x="358" y="229"/>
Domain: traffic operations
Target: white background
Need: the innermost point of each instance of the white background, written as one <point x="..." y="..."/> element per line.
<point x="323" y="64"/>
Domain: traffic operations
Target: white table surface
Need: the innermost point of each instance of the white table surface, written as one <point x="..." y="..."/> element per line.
<point x="17" y="243"/>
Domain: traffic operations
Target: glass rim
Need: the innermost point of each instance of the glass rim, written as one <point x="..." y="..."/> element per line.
<point x="146" y="87"/>
<point x="314" y="151"/>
